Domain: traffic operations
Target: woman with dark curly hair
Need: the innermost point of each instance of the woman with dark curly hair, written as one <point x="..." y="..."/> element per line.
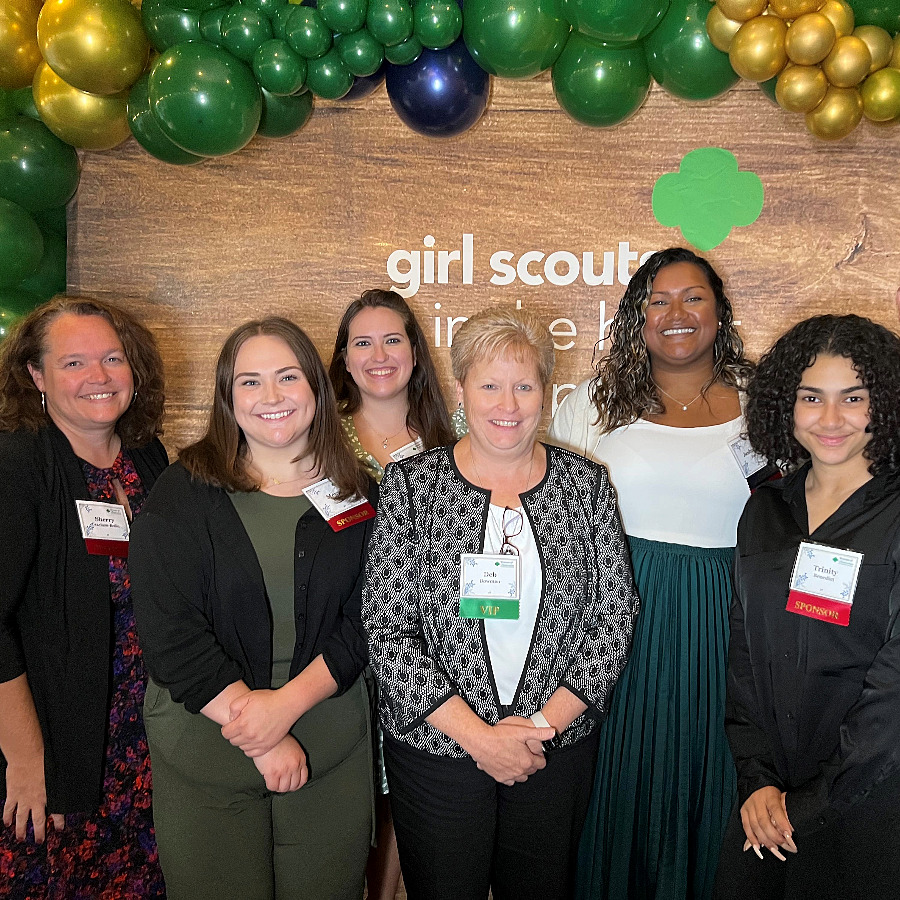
<point x="81" y="406"/>
<point x="813" y="713"/>
<point x="663" y="412"/>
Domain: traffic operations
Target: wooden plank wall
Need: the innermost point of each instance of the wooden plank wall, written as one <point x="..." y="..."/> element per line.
<point x="301" y="226"/>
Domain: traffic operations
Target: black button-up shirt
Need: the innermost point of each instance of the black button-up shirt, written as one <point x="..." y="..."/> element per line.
<point x="814" y="707"/>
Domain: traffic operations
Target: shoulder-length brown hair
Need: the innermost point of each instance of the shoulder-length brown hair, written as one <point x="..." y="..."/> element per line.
<point x="220" y="456"/>
<point x="20" y="400"/>
<point x="427" y="415"/>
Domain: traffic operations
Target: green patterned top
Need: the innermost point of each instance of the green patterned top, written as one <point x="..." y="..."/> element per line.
<point x="376" y="470"/>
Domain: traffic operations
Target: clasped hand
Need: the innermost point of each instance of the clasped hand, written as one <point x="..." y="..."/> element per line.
<point x="258" y="721"/>
<point x="513" y="751"/>
<point x="766" y="824"/>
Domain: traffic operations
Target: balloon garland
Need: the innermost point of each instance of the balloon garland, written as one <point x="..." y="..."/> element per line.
<point x="826" y="65"/>
<point x="79" y="74"/>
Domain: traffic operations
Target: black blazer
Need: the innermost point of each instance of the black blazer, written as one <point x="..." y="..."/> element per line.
<point x="55" y="613"/>
<point x="200" y="599"/>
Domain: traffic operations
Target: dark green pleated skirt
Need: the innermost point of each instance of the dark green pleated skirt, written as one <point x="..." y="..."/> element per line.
<point x="665" y="780"/>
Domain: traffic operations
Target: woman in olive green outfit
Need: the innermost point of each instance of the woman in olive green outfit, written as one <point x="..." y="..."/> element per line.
<point x="391" y="407"/>
<point x="248" y="606"/>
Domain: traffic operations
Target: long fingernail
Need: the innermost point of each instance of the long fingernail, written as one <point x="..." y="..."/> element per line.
<point x="757" y="851"/>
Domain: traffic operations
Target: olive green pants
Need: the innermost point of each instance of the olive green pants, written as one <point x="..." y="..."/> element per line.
<point x="222" y="835"/>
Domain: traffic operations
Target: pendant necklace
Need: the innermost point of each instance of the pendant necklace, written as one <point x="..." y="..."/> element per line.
<point x="390" y="437"/>
<point x="684" y="406"/>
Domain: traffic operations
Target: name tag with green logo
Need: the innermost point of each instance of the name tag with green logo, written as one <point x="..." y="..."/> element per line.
<point x="488" y="586"/>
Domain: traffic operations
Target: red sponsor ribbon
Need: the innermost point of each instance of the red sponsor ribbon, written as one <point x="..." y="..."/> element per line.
<point x="106" y="547"/>
<point x="813" y="607"/>
<point x="352" y="516"/>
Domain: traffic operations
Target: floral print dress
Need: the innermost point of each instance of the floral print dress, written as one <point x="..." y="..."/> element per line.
<point x="109" y="854"/>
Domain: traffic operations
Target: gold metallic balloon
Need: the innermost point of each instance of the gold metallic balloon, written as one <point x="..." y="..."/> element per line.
<point x="837" y="115"/>
<point x="792" y="9"/>
<point x="94" y="45"/>
<point x="757" y="50"/>
<point x="895" y="56"/>
<point x="741" y="10"/>
<point x="19" y="51"/>
<point x="848" y="63"/>
<point x="720" y="29"/>
<point x="88" y="121"/>
<point x="879" y="42"/>
<point x="810" y="39"/>
<point x="801" y="88"/>
<point x="881" y="95"/>
<point x="841" y="15"/>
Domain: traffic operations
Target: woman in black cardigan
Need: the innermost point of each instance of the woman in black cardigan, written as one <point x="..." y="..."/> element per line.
<point x="81" y="404"/>
<point x="248" y="605"/>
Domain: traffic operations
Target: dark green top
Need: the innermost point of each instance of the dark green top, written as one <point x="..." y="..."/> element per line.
<point x="271" y="524"/>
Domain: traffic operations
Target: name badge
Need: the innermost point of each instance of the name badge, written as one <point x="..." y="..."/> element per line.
<point x="104" y="527"/>
<point x="748" y="460"/>
<point x="413" y="448"/>
<point x="339" y="514"/>
<point x="823" y="583"/>
<point x="489" y="586"/>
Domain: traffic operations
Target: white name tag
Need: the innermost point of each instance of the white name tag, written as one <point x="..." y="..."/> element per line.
<point x="489" y="586"/>
<point x="104" y="527"/>
<point x="823" y="582"/>
<point x="339" y="514"/>
<point x="748" y="460"/>
<point x="413" y="448"/>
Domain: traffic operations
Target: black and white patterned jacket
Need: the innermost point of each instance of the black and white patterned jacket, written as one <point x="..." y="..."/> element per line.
<point x="422" y="652"/>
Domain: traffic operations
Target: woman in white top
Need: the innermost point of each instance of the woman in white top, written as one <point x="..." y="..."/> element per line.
<point x="663" y="413"/>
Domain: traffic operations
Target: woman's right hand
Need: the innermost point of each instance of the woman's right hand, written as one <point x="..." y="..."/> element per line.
<point x="766" y="824"/>
<point x="284" y="766"/>
<point x="26" y="798"/>
<point x="504" y="753"/>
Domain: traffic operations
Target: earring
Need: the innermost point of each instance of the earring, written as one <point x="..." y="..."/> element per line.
<point x="134" y="395"/>
<point x="43" y="403"/>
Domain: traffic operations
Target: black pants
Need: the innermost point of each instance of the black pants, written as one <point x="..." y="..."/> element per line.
<point x="460" y="833"/>
<point x="857" y="857"/>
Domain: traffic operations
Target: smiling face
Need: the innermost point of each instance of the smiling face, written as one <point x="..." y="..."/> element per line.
<point x="273" y="403"/>
<point x="831" y="414"/>
<point x="681" y="320"/>
<point x="379" y="356"/>
<point x="502" y="399"/>
<point x="85" y="377"/>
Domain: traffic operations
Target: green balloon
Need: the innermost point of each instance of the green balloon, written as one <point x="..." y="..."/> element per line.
<point x="18" y="300"/>
<point x="267" y="7"/>
<point x="50" y="277"/>
<point x="278" y="69"/>
<point x="9" y="317"/>
<point x="21" y="244"/>
<point x="51" y="220"/>
<point x="516" y="38"/>
<point x="204" y="99"/>
<point x="328" y="77"/>
<point x="200" y="4"/>
<point x="404" y="53"/>
<point x="37" y="170"/>
<point x="307" y="33"/>
<point x="23" y="99"/>
<point x="343" y="16"/>
<point x="211" y="24"/>
<point x="600" y="85"/>
<point x="437" y="23"/>
<point x="615" y="21"/>
<point x="883" y="13"/>
<point x="280" y="19"/>
<point x="682" y="58"/>
<point x="243" y="30"/>
<point x="147" y="131"/>
<point x="768" y="88"/>
<point x="165" y="25"/>
<point x="361" y="53"/>
<point x="389" y="21"/>
<point x="7" y="107"/>
<point x="284" y="115"/>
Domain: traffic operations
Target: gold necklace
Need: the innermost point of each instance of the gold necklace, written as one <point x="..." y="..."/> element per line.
<point x="271" y="481"/>
<point x="684" y="406"/>
<point x="390" y="437"/>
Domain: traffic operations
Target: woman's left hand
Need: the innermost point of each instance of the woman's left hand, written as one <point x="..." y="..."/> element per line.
<point x="534" y="746"/>
<point x="259" y="720"/>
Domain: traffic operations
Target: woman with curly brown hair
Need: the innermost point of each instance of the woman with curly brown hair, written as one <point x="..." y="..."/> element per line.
<point x="813" y="714"/>
<point x="81" y="405"/>
<point x="663" y="413"/>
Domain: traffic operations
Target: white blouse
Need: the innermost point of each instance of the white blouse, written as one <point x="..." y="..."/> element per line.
<point x="676" y="485"/>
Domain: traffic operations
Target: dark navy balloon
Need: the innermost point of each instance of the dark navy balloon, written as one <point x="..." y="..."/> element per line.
<point x="442" y="94"/>
<point x="365" y="85"/>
